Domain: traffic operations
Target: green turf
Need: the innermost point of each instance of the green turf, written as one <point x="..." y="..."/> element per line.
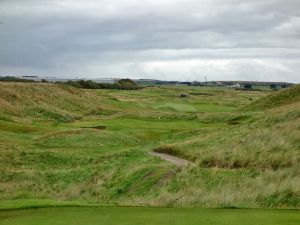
<point x="178" y="107"/>
<point x="147" y="216"/>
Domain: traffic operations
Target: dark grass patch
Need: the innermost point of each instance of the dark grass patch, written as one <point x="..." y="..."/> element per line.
<point x="167" y="149"/>
<point x="234" y="122"/>
<point x="99" y="127"/>
<point x="238" y="119"/>
<point x="202" y="94"/>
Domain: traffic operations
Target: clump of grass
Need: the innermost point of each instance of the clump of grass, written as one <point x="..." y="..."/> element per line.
<point x="47" y="114"/>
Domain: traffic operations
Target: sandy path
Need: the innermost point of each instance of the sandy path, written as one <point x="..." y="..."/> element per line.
<point x="173" y="159"/>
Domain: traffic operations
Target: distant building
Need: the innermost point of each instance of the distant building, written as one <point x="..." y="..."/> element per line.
<point x="197" y="83"/>
<point x="236" y="86"/>
<point x="220" y="84"/>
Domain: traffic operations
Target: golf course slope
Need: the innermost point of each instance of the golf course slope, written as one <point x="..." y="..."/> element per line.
<point x="62" y="147"/>
<point x="278" y="98"/>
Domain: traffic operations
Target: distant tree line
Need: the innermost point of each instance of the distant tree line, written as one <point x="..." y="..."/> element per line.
<point x="123" y="84"/>
<point x="15" y="79"/>
<point x="161" y="82"/>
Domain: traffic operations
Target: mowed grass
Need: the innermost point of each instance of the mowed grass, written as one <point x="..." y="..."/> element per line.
<point x="147" y="216"/>
<point x="178" y="107"/>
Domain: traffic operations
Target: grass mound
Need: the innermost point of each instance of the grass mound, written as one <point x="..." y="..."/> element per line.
<point x="49" y="101"/>
<point x="277" y="99"/>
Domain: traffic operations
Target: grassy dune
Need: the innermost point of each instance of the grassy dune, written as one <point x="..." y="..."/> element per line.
<point x="92" y="146"/>
<point x="277" y="99"/>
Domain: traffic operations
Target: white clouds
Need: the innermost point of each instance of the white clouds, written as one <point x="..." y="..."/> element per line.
<point x="176" y="39"/>
<point x="216" y="69"/>
<point x="289" y="28"/>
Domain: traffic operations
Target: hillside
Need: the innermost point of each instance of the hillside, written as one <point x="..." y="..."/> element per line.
<point x="47" y="100"/>
<point x="279" y="98"/>
<point x="63" y="144"/>
<point x="266" y="139"/>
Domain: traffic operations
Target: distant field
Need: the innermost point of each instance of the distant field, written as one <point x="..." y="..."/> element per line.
<point x="93" y="146"/>
<point x="148" y="216"/>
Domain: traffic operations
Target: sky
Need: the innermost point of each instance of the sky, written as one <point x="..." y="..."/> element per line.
<point x="182" y="40"/>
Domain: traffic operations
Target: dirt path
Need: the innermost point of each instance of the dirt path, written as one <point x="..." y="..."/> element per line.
<point x="173" y="159"/>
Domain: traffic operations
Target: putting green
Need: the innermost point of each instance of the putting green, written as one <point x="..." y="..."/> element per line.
<point x="147" y="216"/>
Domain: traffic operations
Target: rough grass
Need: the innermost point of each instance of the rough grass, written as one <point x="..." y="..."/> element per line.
<point x="49" y="148"/>
<point x="279" y="98"/>
<point x="48" y="101"/>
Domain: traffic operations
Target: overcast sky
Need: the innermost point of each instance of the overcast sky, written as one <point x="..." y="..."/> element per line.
<point x="160" y="39"/>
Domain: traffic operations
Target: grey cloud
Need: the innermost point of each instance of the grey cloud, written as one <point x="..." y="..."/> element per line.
<point x="126" y="37"/>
